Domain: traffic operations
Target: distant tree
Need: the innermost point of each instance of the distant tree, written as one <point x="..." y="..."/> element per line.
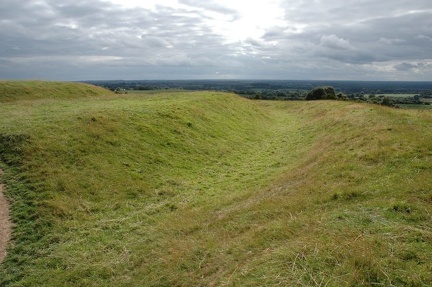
<point x="386" y="101"/>
<point x="321" y="93"/>
<point x="281" y="94"/>
<point x="342" y="96"/>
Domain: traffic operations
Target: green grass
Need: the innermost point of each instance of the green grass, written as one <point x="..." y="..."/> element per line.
<point x="175" y="188"/>
<point x="11" y="91"/>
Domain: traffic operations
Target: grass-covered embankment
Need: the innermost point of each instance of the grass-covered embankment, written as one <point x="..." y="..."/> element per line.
<point x="11" y="91"/>
<point x="209" y="189"/>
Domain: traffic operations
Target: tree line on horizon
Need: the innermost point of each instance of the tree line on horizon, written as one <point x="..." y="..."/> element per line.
<point x="279" y="90"/>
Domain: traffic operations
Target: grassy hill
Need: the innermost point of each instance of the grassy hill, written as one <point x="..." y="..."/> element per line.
<point x="210" y="189"/>
<point x="32" y="90"/>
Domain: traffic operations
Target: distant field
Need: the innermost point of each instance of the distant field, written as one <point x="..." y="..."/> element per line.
<point x="408" y="105"/>
<point x="397" y="95"/>
<point x="176" y="188"/>
<point x="417" y="107"/>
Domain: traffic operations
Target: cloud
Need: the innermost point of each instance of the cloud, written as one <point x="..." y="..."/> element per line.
<point x="334" y="42"/>
<point x="211" y="6"/>
<point x="156" y="42"/>
<point x="405" y="67"/>
<point x="414" y="67"/>
<point x="296" y="39"/>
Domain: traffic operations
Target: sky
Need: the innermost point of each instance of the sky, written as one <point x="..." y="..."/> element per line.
<point x="216" y="39"/>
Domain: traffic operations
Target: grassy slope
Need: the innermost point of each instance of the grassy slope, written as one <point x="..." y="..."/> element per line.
<point x="11" y="91"/>
<point x="208" y="189"/>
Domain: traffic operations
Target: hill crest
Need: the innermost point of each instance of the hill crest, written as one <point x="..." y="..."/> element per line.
<point x="11" y="91"/>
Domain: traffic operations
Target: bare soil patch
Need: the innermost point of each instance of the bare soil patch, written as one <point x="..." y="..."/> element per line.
<point x="5" y="223"/>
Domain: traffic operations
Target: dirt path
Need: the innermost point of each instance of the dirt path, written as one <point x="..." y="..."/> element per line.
<point x="5" y="223"/>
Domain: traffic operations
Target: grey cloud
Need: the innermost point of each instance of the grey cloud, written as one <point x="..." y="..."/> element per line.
<point x="211" y="6"/>
<point x="77" y="39"/>
<point x="65" y="29"/>
<point x="356" y="31"/>
<point x="405" y="67"/>
<point x="424" y="37"/>
<point x="413" y="67"/>
<point x="254" y="42"/>
<point x="334" y="42"/>
<point x="156" y="42"/>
